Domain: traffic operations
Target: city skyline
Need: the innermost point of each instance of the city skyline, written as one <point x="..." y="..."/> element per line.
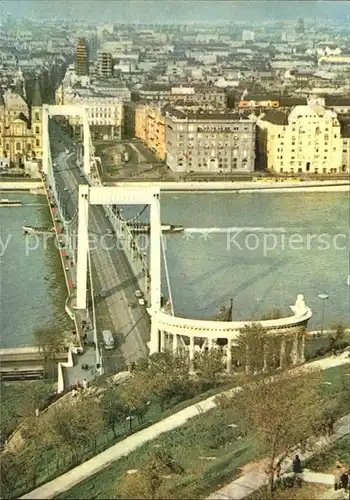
<point x="156" y="11"/>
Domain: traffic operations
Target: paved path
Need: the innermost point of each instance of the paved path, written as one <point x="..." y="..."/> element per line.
<point x="131" y="443"/>
<point x="257" y="478"/>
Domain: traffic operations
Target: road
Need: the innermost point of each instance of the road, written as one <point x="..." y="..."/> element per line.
<point x="112" y="273"/>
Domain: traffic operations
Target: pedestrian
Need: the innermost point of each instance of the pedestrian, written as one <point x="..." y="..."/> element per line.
<point x="344" y="480"/>
<point x="78" y="386"/>
<point x="297" y="470"/>
<point x="85" y="383"/>
<point x="74" y="392"/>
<point x="36" y="412"/>
<point x="337" y="476"/>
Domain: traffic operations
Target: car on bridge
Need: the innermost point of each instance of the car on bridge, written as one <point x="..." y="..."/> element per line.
<point x="108" y="339"/>
<point x="142" y="302"/>
<point x="138" y="294"/>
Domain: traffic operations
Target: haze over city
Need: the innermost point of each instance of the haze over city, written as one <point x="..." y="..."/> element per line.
<point x="174" y="249"/>
<point x="178" y="11"/>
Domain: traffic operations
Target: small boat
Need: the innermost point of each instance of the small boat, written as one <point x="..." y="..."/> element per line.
<point x="146" y="228"/>
<point x="10" y="203"/>
<point x="38" y="230"/>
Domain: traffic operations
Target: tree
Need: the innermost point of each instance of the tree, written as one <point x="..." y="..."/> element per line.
<point x="164" y="376"/>
<point x="336" y="338"/>
<point x="49" y="343"/>
<point x="251" y="346"/>
<point x="281" y="409"/>
<point x="209" y="365"/>
<point x="273" y="314"/>
<point x="150" y="482"/>
<point x="74" y="426"/>
<point x="9" y="472"/>
<point x="113" y="410"/>
<point x="134" y="397"/>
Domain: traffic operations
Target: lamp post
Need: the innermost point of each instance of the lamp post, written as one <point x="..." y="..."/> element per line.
<point x="323" y="297"/>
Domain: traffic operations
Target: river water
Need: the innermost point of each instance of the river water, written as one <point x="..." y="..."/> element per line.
<point x="261" y="250"/>
<point x="32" y="290"/>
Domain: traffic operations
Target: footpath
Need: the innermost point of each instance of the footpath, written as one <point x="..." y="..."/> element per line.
<point x="131" y="443"/>
<point x="257" y="477"/>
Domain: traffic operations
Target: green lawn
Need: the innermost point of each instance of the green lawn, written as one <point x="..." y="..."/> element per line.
<point x="19" y="399"/>
<point x="207" y="435"/>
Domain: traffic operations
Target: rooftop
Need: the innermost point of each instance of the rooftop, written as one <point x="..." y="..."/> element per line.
<point x="207" y="115"/>
<point x="276" y="116"/>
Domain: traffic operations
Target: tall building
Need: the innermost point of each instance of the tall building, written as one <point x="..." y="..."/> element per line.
<point x="308" y="139"/>
<point x="104" y="64"/>
<point x="82" y="58"/>
<point x="209" y="142"/>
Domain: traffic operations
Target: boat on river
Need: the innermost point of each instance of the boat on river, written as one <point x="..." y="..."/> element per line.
<point x="146" y="228"/>
<point x="38" y="230"/>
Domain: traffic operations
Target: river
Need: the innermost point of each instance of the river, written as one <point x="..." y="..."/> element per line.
<point x="259" y="249"/>
<point x="32" y="290"/>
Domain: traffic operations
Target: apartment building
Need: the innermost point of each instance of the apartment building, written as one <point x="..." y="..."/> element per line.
<point x="307" y="139"/>
<point x="105" y="116"/>
<point x="150" y="128"/>
<point x="209" y="142"/>
<point x="104" y="64"/>
<point x="202" y="96"/>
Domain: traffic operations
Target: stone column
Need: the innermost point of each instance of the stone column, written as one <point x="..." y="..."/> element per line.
<point x="229" y="356"/>
<point x="155" y="269"/>
<point x="282" y="352"/>
<point x="210" y="344"/>
<point x="162" y="341"/>
<point x="175" y="344"/>
<point x="191" y="354"/>
<point x="294" y="353"/>
<point x="154" y="342"/>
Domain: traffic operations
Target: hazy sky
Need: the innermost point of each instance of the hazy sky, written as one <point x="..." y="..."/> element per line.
<point x="162" y="11"/>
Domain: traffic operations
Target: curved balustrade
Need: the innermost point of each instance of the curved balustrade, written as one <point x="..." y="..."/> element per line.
<point x="206" y="333"/>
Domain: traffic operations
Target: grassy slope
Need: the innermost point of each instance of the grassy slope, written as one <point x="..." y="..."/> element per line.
<point x="19" y="399"/>
<point x="206" y="435"/>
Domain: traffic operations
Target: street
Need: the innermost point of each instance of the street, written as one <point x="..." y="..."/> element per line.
<point x="112" y="274"/>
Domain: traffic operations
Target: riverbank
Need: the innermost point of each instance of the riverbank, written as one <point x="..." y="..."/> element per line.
<point x="240" y="187"/>
<point x="19" y="185"/>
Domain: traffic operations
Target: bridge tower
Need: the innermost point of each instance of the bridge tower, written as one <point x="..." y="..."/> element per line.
<point x="109" y="196"/>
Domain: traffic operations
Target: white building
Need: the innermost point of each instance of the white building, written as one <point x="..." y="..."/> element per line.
<point x="308" y="139"/>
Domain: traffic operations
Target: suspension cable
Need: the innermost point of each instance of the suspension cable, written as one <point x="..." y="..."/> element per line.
<point x="136" y="216"/>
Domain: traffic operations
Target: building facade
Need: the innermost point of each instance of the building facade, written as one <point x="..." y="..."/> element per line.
<point x="20" y="128"/>
<point x="105" y="116"/>
<point x="306" y="140"/>
<point x="104" y="64"/>
<point x="150" y="128"/>
<point x="82" y="58"/>
<point x="209" y="142"/>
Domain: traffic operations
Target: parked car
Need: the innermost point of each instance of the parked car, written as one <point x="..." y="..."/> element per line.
<point x="141" y="302"/>
<point x="108" y="339"/>
<point x="138" y="294"/>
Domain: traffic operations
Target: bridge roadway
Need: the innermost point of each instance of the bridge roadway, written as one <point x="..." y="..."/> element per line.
<point x="112" y="273"/>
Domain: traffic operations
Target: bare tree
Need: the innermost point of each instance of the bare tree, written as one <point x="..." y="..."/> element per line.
<point x="49" y="344"/>
<point x="282" y="410"/>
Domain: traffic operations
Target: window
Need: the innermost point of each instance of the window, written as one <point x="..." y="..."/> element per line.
<point x="37" y="130"/>
<point x="37" y="118"/>
<point x="37" y="142"/>
<point x="7" y="147"/>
